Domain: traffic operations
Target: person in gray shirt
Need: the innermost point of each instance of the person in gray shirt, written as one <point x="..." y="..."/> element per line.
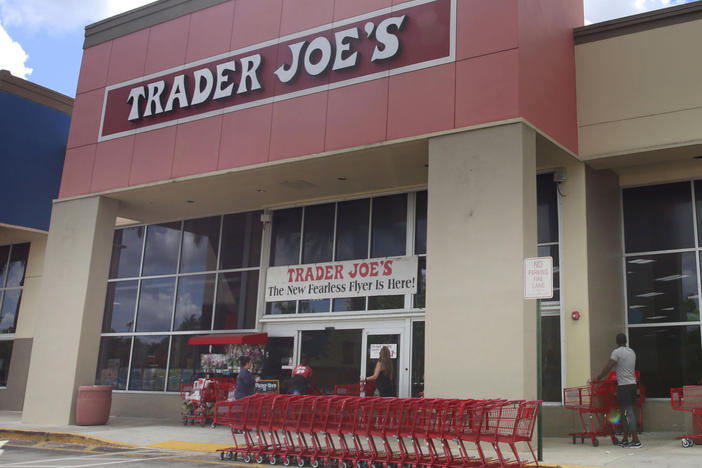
<point x="623" y="360"/>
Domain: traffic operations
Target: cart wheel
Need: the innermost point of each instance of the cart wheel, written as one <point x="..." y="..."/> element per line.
<point x="231" y="455"/>
<point x="595" y="442"/>
<point x="286" y="461"/>
<point x="300" y="462"/>
<point x="259" y="458"/>
<point x="687" y="443"/>
<point x="359" y="464"/>
<point x="314" y="463"/>
<point x="615" y="441"/>
<point x="247" y="458"/>
<point x="221" y="455"/>
<point x="573" y="440"/>
<point x="344" y="464"/>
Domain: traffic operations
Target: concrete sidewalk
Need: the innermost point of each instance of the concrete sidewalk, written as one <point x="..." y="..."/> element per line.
<point x="660" y="450"/>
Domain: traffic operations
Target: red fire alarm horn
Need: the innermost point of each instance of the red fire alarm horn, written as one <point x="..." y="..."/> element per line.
<point x="575" y="315"/>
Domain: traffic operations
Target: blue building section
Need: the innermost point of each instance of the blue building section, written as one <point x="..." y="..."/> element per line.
<point x="32" y="148"/>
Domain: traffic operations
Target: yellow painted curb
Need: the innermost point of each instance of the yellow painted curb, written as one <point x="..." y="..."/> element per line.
<point x="189" y="446"/>
<point x="60" y="437"/>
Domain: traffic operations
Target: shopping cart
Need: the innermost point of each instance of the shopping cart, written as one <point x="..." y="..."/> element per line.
<point x="363" y="388"/>
<point x="593" y="402"/>
<point x="689" y="398"/>
<point x="200" y="397"/>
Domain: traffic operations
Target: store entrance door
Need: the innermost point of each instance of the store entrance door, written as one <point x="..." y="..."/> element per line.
<point x="373" y="341"/>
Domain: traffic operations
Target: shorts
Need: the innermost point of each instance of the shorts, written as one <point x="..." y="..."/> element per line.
<point x="626" y="395"/>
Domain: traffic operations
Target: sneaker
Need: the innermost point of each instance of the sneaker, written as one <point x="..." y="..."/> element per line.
<point x="634" y="444"/>
<point x="623" y="443"/>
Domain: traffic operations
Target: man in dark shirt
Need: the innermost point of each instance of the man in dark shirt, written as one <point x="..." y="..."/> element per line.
<point x="245" y="381"/>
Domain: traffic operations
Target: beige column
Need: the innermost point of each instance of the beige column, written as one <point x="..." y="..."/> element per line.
<point x="480" y="332"/>
<point x="67" y="334"/>
<point x="591" y="260"/>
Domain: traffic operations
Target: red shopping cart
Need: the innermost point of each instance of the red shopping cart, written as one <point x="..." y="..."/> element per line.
<point x="593" y="402"/>
<point x="689" y="398"/>
<point x="363" y="388"/>
<point x="200" y="397"/>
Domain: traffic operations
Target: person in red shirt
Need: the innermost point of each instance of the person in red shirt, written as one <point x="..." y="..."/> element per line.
<point x="299" y="382"/>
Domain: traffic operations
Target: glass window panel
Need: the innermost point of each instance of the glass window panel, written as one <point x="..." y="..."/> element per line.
<point x="10" y="309"/>
<point x="658" y="217"/>
<point x="200" y="244"/>
<point x="667" y="357"/>
<point x="662" y="288"/>
<point x="4" y="260"/>
<point x="420" y="225"/>
<point x="551" y="358"/>
<point x="18" y="265"/>
<point x="318" y="234"/>
<point x="386" y="302"/>
<point x="5" y="357"/>
<point x="149" y="363"/>
<point x="333" y="355"/>
<point x="281" y="308"/>
<point x="420" y="297"/>
<point x="278" y="354"/>
<point x="119" y="307"/>
<point x="155" y="305"/>
<point x="185" y="362"/>
<point x="698" y="206"/>
<point x="126" y="252"/>
<point x="552" y="251"/>
<point x="237" y="296"/>
<point x="241" y="240"/>
<point x="285" y="242"/>
<point x="352" y="229"/>
<point x="194" y="303"/>
<point x="162" y="246"/>
<point x="348" y="304"/>
<point x="314" y="307"/>
<point x="113" y="361"/>
<point x="417" y="359"/>
<point x="546" y="209"/>
<point x="389" y="229"/>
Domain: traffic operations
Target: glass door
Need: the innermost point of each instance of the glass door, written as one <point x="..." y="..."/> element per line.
<point x="373" y="342"/>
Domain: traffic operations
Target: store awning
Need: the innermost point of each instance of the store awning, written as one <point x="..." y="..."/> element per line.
<point x="238" y="338"/>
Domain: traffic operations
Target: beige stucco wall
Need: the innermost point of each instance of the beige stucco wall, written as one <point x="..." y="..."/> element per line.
<point x="640" y="91"/>
<point x="480" y="332"/>
<point x="67" y="336"/>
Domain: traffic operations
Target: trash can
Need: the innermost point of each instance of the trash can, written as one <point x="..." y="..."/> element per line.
<point x="93" y="405"/>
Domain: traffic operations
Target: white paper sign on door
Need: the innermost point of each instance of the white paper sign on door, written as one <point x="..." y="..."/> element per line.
<point x="375" y="350"/>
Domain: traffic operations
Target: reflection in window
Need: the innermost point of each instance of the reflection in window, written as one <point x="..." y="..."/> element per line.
<point x="155" y="305"/>
<point x="552" y="251"/>
<point x="113" y="361"/>
<point x="662" y="288"/>
<point x="551" y="357"/>
<point x="161" y="251"/>
<point x="352" y="229"/>
<point x="319" y="234"/>
<point x="547" y="208"/>
<point x="421" y="296"/>
<point x="5" y="356"/>
<point x="237" y="295"/>
<point x="313" y="307"/>
<point x="200" y="243"/>
<point x="420" y="225"/>
<point x="281" y="308"/>
<point x="241" y="240"/>
<point x="386" y="302"/>
<point x="658" y="217"/>
<point x="149" y="359"/>
<point x="119" y="307"/>
<point x="4" y="261"/>
<point x="285" y="242"/>
<point x="185" y="362"/>
<point x="194" y="302"/>
<point x="348" y="304"/>
<point x="389" y="226"/>
<point x="278" y="354"/>
<point x="9" y="311"/>
<point x="126" y="252"/>
<point x="668" y="356"/>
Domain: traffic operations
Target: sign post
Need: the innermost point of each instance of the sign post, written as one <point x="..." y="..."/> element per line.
<point x="538" y="284"/>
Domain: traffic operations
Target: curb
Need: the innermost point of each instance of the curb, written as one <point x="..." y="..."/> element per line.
<point x="60" y="437"/>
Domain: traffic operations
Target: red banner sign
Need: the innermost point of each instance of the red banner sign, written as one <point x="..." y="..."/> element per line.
<point x="406" y="37"/>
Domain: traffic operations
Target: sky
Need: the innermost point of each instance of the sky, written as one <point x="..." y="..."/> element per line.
<point x="42" y="40"/>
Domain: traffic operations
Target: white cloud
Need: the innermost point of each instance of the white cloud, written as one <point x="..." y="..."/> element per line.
<point x="57" y="16"/>
<point x="13" y="57"/>
<point x="604" y="10"/>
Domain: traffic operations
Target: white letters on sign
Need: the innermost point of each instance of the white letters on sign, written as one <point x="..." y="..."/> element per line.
<point x="538" y="278"/>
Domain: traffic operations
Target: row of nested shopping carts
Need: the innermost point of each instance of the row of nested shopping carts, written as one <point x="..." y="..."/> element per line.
<point x="357" y="432"/>
<point x="689" y="398"/>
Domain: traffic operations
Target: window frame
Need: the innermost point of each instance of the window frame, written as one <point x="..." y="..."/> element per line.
<point x="10" y="337"/>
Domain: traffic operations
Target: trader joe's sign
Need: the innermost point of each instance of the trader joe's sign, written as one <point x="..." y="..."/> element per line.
<point x="405" y="37"/>
<point x="354" y="278"/>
